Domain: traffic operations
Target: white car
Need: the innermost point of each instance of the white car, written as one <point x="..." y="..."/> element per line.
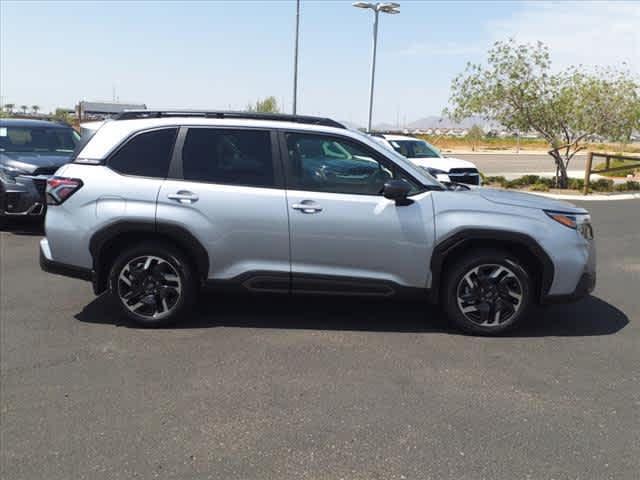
<point x="429" y="157"/>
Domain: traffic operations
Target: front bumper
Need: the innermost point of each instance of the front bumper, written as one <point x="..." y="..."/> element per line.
<point x="586" y="285"/>
<point x="49" y="265"/>
<point x="24" y="197"/>
<point x="586" y="280"/>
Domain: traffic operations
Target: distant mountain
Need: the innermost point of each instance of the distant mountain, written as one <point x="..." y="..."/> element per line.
<point x="443" y="122"/>
<point x="435" y="121"/>
<point x="432" y="121"/>
<point x="385" y="126"/>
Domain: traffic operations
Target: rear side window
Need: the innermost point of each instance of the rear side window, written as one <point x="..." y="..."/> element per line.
<point x="146" y="155"/>
<point x="230" y="157"/>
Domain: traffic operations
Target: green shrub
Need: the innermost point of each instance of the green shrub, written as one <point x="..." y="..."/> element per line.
<point x="549" y="182"/>
<point x="576" y="183"/>
<point x="540" y="187"/>
<point x="602" y="185"/>
<point x="529" y="179"/>
<point x="627" y="186"/>
<point x="500" y="180"/>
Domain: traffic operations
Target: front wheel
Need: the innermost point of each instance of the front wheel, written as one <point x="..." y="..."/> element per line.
<point x="153" y="284"/>
<point x="487" y="292"/>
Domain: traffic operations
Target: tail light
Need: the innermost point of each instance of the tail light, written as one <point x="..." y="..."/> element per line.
<point x="60" y="189"/>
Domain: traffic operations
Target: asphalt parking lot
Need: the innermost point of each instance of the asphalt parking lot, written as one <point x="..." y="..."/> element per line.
<point x="275" y="387"/>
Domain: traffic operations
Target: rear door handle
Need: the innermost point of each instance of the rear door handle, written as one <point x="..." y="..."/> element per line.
<point x="183" y="196"/>
<point x="307" y="206"/>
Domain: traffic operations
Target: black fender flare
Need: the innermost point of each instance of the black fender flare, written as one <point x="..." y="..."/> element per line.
<point x="175" y="233"/>
<point x="468" y="236"/>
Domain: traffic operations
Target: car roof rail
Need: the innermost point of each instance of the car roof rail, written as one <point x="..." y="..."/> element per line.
<point x="279" y="117"/>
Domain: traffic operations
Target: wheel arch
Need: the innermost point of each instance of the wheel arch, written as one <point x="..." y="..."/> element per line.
<point x="106" y="243"/>
<point x="522" y="246"/>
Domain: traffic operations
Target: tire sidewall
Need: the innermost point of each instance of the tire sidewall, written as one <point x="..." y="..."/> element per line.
<point x="176" y="260"/>
<point x="460" y="269"/>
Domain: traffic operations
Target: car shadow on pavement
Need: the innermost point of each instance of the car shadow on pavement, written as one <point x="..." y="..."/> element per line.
<point x="23" y="226"/>
<point x="588" y="317"/>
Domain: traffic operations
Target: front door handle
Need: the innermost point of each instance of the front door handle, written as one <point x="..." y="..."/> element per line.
<point x="183" y="196"/>
<point x="307" y="206"/>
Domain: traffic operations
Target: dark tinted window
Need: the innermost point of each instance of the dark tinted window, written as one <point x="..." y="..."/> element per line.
<point x="38" y="139"/>
<point x="231" y="157"/>
<point x="146" y="155"/>
<point x="413" y="149"/>
<point x="331" y="164"/>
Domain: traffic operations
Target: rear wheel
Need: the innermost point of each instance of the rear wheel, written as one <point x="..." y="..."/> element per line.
<point x="153" y="284"/>
<point x="487" y="292"/>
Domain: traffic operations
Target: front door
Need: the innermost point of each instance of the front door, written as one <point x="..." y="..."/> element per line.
<point x="345" y="236"/>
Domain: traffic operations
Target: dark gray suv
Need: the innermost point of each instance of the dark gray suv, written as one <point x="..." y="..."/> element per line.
<point x="30" y="152"/>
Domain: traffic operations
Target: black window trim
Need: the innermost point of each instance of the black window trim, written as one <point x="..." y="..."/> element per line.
<point x="377" y="156"/>
<point x="133" y="135"/>
<point x="176" y="169"/>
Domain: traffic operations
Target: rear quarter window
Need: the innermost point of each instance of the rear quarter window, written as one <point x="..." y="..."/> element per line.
<point x="147" y="154"/>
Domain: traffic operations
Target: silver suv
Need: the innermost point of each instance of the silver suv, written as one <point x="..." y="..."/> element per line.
<point x="159" y="204"/>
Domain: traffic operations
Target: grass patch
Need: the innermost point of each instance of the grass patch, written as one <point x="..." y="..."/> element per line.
<point x="616" y="164"/>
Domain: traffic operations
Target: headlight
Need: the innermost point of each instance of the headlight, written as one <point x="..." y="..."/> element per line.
<point x="585" y="229"/>
<point x="579" y="222"/>
<point x="9" y="173"/>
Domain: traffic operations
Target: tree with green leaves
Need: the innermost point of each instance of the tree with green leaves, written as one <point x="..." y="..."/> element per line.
<point x="518" y="89"/>
<point x="61" y="115"/>
<point x="35" y="109"/>
<point x="24" y="109"/>
<point x="9" y="107"/>
<point x="474" y="136"/>
<point x="268" y="105"/>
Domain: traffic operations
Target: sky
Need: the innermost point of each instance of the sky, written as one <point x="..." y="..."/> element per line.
<point x="226" y="54"/>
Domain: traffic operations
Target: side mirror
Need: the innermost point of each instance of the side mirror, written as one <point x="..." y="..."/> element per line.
<point x="397" y="190"/>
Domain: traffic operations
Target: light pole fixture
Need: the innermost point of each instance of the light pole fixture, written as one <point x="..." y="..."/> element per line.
<point x="392" y="8"/>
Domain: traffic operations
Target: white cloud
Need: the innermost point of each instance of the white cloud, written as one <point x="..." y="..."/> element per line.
<point x="588" y="33"/>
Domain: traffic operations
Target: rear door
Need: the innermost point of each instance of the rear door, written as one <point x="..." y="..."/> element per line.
<point x="227" y="190"/>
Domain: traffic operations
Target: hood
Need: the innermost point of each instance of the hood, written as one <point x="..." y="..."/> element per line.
<point x="31" y="161"/>
<point x="519" y="199"/>
<point x="442" y="163"/>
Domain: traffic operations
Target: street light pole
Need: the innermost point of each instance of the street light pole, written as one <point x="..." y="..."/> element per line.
<point x="377" y="8"/>
<point x="295" y="60"/>
<point x="373" y="66"/>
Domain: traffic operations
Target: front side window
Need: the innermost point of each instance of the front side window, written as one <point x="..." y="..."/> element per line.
<point x="38" y="139"/>
<point x="229" y="157"/>
<point x="146" y="155"/>
<point x="332" y="164"/>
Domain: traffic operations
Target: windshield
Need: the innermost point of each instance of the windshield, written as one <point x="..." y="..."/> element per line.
<point x="414" y="149"/>
<point x="38" y="139"/>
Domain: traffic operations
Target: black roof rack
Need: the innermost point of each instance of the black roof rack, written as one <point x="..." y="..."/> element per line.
<point x="280" y="117"/>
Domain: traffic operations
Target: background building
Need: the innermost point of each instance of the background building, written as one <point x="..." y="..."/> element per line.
<point x="101" y="110"/>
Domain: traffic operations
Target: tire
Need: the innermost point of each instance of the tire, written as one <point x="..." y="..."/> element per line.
<point x="153" y="283"/>
<point x="487" y="292"/>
